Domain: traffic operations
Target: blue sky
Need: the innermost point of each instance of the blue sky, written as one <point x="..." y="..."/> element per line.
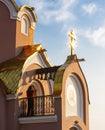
<point x="87" y="18"/>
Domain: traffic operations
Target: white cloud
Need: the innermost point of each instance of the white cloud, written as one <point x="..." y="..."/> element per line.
<point x="52" y="11"/>
<point x="90" y="8"/>
<point x="65" y="4"/>
<point x="97" y="36"/>
<point x="58" y="11"/>
<point x="64" y="16"/>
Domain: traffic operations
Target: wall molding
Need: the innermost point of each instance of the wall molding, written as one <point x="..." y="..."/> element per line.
<point x="39" y="119"/>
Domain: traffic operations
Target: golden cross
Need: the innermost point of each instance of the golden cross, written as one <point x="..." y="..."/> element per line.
<point x="72" y="36"/>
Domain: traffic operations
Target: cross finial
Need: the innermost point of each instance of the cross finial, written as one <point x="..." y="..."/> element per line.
<point x="72" y="36"/>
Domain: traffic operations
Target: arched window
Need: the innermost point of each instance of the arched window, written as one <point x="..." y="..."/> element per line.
<point x="25" y="25"/>
<point x="75" y="128"/>
<point x="74" y="100"/>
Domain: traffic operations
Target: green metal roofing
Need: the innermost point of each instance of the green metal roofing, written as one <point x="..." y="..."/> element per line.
<point x="11" y="79"/>
<point x="10" y="70"/>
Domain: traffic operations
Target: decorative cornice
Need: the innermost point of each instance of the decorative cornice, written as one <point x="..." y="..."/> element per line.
<point x="11" y="96"/>
<point x="39" y="119"/>
<point x="13" y="9"/>
<point x="30" y="13"/>
<point x="16" y="13"/>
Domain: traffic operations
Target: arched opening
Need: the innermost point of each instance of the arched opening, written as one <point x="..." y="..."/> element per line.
<point x="74" y="100"/>
<point x="25" y="25"/>
<point x="75" y="127"/>
<point x="36" y="102"/>
<point x="37" y="87"/>
<point x="30" y="96"/>
<point x="28" y="99"/>
<point x="38" y="97"/>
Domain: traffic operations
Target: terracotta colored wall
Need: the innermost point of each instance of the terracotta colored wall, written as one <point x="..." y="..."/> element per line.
<point x="2" y="110"/>
<point x="11" y="38"/>
<point x="74" y="68"/>
<point x="44" y="126"/>
<point x="22" y="39"/>
<point x="7" y="34"/>
<point x="12" y="115"/>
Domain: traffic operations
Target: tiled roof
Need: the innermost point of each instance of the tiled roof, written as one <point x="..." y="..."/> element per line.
<point x="10" y="70"/>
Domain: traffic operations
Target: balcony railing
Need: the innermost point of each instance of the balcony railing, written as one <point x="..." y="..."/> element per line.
<point x="36" y="106"/>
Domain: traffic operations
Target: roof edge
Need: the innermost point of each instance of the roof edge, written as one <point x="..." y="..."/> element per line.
<point x="14" y="3"/>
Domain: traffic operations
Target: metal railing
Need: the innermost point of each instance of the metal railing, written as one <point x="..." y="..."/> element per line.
<point x="36" y="106"/>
